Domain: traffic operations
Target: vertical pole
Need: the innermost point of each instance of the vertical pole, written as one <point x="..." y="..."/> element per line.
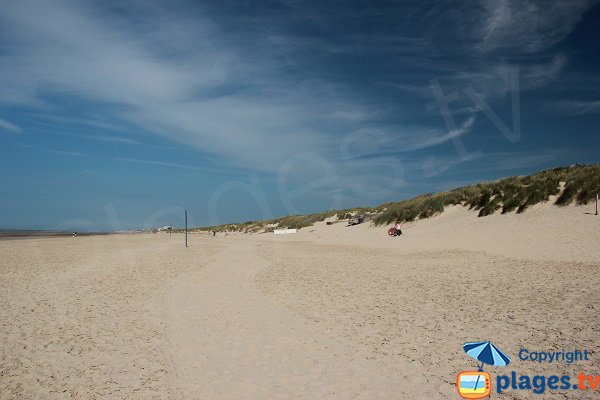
<point x="596" y="203"/>
<point x="186" y="244"/>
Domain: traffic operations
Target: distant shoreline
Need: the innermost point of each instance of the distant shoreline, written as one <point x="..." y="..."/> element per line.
<point x="7" y="234"/>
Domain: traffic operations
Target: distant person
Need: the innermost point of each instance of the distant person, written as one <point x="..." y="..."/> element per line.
<point x="214" y="232"/>
<point x="398" y="228"/>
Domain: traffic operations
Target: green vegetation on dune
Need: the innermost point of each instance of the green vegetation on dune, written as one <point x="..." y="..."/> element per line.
<point x="581" y="183"/>
<point x="288" y="221"/>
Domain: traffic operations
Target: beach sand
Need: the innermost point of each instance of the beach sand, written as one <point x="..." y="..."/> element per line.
<point x="331" y="312"/>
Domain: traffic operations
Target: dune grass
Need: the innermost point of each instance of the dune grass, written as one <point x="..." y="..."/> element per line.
<point x="288" y="221"/>
<point x="513" y="194"/>
<point x="581" y="183"/>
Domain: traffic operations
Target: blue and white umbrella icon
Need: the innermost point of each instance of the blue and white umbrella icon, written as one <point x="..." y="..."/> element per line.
<point x="487" y="353"/>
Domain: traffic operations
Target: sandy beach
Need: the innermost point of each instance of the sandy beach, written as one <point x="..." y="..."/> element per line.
<point x="332" y="312"/>
<point x="200" y="200"/>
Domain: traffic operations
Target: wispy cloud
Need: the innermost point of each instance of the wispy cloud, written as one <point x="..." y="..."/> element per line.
<point x="75" y="49"/>
<point x="318" y="102"/>
<point x="577" y="107"/>
<point x="111" y="139"/>
<point x="252" y="89"/>
<point x="494" y="81"/>
<point x="8" y="126"/>
<point x="54" y="151"/>
<point x="65" y="152"/>
<point x="103" y="138"/>
<point x="465" y="127"/>
<point x="180" y="79"/>
<point x="160" y="163"/>
<point x="529" y="25"/>
<point x="364" y="141"/>
<point x="50" y="118"/>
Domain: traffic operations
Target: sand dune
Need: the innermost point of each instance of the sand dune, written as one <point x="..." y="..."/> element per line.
<point x="329" y="313"/>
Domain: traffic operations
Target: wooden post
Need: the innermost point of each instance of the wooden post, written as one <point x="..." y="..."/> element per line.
<point x="186" y="242"/>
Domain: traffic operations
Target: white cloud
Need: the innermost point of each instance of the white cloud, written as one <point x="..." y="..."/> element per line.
<point x="163" y="79"/>
<point x="174" y="76"/>
<point x="495" y="80"/>
<point x="529" y="25"/>
<point x="106" y="138"/>
<point x="9" y="126"/>
<point x="577" y="107"/>
<point x="464" y="128"/>
<point x="101" y="138"/>
<point x="373" y="141"/>
<point x="159" y="163"/>
<point x="65" y="152"/>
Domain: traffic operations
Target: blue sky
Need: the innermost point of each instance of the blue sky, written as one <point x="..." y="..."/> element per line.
<point x="121" y="114"/>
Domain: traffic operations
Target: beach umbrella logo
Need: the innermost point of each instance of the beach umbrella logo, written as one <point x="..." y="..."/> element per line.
<point x="478" y="384"/>
<point x="486" y="353"/>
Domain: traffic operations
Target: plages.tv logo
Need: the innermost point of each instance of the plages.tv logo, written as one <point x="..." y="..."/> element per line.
<point x="478" y="384"/>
